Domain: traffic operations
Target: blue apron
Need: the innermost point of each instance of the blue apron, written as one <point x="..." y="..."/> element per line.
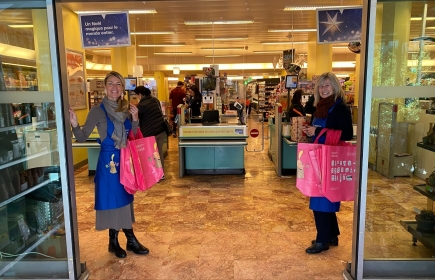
<point x="109" y="193"/>
<point x="322" y="204"/>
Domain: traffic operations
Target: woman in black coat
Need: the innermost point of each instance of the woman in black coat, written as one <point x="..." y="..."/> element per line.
<point x="195" y="101"/>
<point x="296" y="109"/>
<point x="151" y="118"/>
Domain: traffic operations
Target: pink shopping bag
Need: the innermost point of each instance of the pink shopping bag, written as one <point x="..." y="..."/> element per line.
<point x="128" y="179"/>
<point x="146" y="160"/>
<point x="338" y="172"/>
<point x="308" y="168"/>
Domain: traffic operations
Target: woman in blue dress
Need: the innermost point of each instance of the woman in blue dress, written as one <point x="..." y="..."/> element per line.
<point x="332" y="113"/>
<point x="113" y="205"/>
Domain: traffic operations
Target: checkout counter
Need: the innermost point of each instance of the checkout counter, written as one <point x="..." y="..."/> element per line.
<point x="213" y="148"/>
<point x="94" y="150"/>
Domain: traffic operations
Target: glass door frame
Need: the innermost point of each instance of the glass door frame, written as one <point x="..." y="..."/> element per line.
<point x="360" y="267"/>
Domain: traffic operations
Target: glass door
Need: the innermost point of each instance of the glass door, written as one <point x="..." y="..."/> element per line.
<point x="35" y="230"/>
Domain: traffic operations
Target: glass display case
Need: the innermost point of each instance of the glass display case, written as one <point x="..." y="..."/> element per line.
<point x="36" y="221"/>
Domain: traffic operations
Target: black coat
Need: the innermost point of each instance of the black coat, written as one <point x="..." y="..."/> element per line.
<point x="340" y="119"/>
<point x="195" y="106"/>
<point x="150" y="116"/>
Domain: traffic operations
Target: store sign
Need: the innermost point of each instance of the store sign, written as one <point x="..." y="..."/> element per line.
<point x="108" y="30"/>
<point x="287" y="58"/>
<point x="339" y="25"/>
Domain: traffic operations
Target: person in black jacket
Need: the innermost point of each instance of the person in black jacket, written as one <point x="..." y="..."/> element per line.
<point x="151" y="118"/>
<point x="309" y="105"/>
<point x="195" y="101"/>
<point x="332" y="113"/>
<point x="296" y="109"/>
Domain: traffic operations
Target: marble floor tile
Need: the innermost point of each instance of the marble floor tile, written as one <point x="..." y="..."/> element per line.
<point x="251" y="226"/>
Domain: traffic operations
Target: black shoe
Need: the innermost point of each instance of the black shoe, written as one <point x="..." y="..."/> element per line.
<point x="332" y="242"/>
<point x="114" y="245"/>
<point x="317" y="248"/>
<point x="133" y="244"/>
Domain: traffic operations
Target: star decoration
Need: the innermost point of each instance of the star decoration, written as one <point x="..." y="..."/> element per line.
<point x="332" y="24"/>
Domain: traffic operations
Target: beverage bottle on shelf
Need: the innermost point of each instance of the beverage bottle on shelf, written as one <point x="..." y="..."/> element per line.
<point x="25" y="113"/>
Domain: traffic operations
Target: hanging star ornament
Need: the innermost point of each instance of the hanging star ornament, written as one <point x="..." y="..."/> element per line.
<point x="332" y="24"/>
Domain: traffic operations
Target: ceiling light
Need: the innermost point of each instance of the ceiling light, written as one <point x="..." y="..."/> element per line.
<point x="419" y="18"/>
<point x="229" y="55"/>
<point x="312" y="8"/>
<point x="176" y="70"/>
<point x="152" y="33"/>
<point x="430" y="27"/>
<point x="221" y="38"/>
<point x="267" y="51"/>
<point x="340" y="47"/>
<point x="141" y="56"/>
<point x="343" y="64"/>
<point x="20" y="65"/>
<point x="218" y="22"/>
<point x="21" y="25"/>
<point x="163" y="45"/>
<point x="153" y="11"/>
<point x="282" y="43"/>
<point x="292" y="30"/>
<point x="223" y="48"/>
<point x="100" y="51"/>
<point x="171" y="53"/>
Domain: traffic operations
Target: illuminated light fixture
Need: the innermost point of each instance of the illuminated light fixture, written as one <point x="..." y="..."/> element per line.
<point x="163" y="45"/>
<point x="176" y="70"/>
<point x="343" y="64"/>
<point x="230" y="55"/>
<point x="267" y="51"/>
<point x="425" y="62"/>
<point x="153" y="11"/>
<point x="282" y="43"/>
<point x="141" y="56"/>
<point x="152" y="33"/>
<point x="340" y="47"/>
<point x="292" y="30"/>
<point x="21" y="25"/>
<point x="100" y="51"/>
<point x="171" y="53"/>
<point x="223" y="48"/>
<point x="430" y="27"/>
<point x="17" y="52"/>
<point x="420" y="18"/>
<point x="342" y="75"/>
<point x="218" y="22"/>
<point x="20" y="65"/>
<point x="312" y="8"/>
<point x="221" y="38"/>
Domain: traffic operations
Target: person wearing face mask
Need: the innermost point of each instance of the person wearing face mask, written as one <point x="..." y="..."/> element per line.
<point x="332" y="113"/>
<point x="113" y="205"/>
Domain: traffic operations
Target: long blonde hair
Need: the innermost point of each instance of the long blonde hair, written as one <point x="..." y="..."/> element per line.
<point x="335" y="84"/>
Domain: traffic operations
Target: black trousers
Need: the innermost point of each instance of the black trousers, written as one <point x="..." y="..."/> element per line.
<point x="326" y="225"/>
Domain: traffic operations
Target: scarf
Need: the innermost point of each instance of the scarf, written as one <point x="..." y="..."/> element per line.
<point x="119" y="134"/>
<point x="323" y="106"/>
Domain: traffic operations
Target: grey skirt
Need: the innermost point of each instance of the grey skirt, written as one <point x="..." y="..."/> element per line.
<point x="115" y="218"/>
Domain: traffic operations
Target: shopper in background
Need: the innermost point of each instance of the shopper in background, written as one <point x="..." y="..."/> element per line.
<point x="176" y="96"/>
<point x="151" y="118"/>
<point x="195" y="101"/>
<point x="332" y="113"/>
<point x="113" y="205"/>
<point x="309" y="107"/>
<point x="296" y="108"/>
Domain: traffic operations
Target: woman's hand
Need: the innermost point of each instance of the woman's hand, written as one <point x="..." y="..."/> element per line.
<point x="73" y="117"/>
<point x="309" y="130"/>
<point x="134" y="112"/>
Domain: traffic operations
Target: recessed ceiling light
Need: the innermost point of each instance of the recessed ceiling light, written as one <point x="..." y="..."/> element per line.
<point x="141" y="56"/>
<point x="229" y="55"/>
<point x="223" y="48"/>
<point x="282" y="43"/>
<point x="171" y="53"/>
<point x="267" y="51"/>
<point x="419" y="18"/>
<point x="107" y="12"/>
<point x="151" y="11"/>
<point x="340" y="47"/>
<point x="218" y="22"/>
<point x="292" y="30"/>
<point x="312" y="8"/>
<point x="152" y="33"/>
<point x="430" y="27"/>
<point x="21" y="25"/>
<point x="221" y="38"/>
<point x="163" y="45"/>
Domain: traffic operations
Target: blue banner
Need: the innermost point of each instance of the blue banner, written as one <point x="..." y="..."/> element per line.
<point x="339" y="25"/>
<point x="105" y="30"/>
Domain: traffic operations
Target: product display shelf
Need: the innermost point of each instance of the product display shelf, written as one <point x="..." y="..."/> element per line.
<point x="426" y="238"/>
<point x="426" y="147"/>
<point x="34" y="156"/>
<point x="430" y="196"/>
<point x="23" y="193"/>
<point x="32" y="247"/>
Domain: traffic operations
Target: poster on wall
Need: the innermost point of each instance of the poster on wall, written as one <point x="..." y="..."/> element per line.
<point x="339" y="25"/>
<point x="76" y="79"/>
<point x="107" y="30"/>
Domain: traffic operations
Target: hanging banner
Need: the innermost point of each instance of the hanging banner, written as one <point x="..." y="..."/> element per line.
<point x="107" y="30"/>
<point x="287" y="58"/>
<point x="339" y="25"/>
<point x="76" y="79"/>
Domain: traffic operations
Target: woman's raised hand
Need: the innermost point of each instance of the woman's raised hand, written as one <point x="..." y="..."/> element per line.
<point x="73" y="117"/>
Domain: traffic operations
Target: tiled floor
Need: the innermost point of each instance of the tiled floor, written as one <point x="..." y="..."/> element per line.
<point x="252" y="226"/>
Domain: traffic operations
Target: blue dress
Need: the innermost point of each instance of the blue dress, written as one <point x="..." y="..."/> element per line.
<point x="109" y="193"/>
<point x="323" y="204"/>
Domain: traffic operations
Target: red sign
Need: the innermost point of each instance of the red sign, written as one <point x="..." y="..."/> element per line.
<point x="254" y="133"/>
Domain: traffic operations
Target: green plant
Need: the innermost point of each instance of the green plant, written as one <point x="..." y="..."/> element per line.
<point x="426" y="215"/>
<point x="431" y="179"/>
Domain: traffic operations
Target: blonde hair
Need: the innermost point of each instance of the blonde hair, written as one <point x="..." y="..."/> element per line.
<point x="335" y="84"/>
